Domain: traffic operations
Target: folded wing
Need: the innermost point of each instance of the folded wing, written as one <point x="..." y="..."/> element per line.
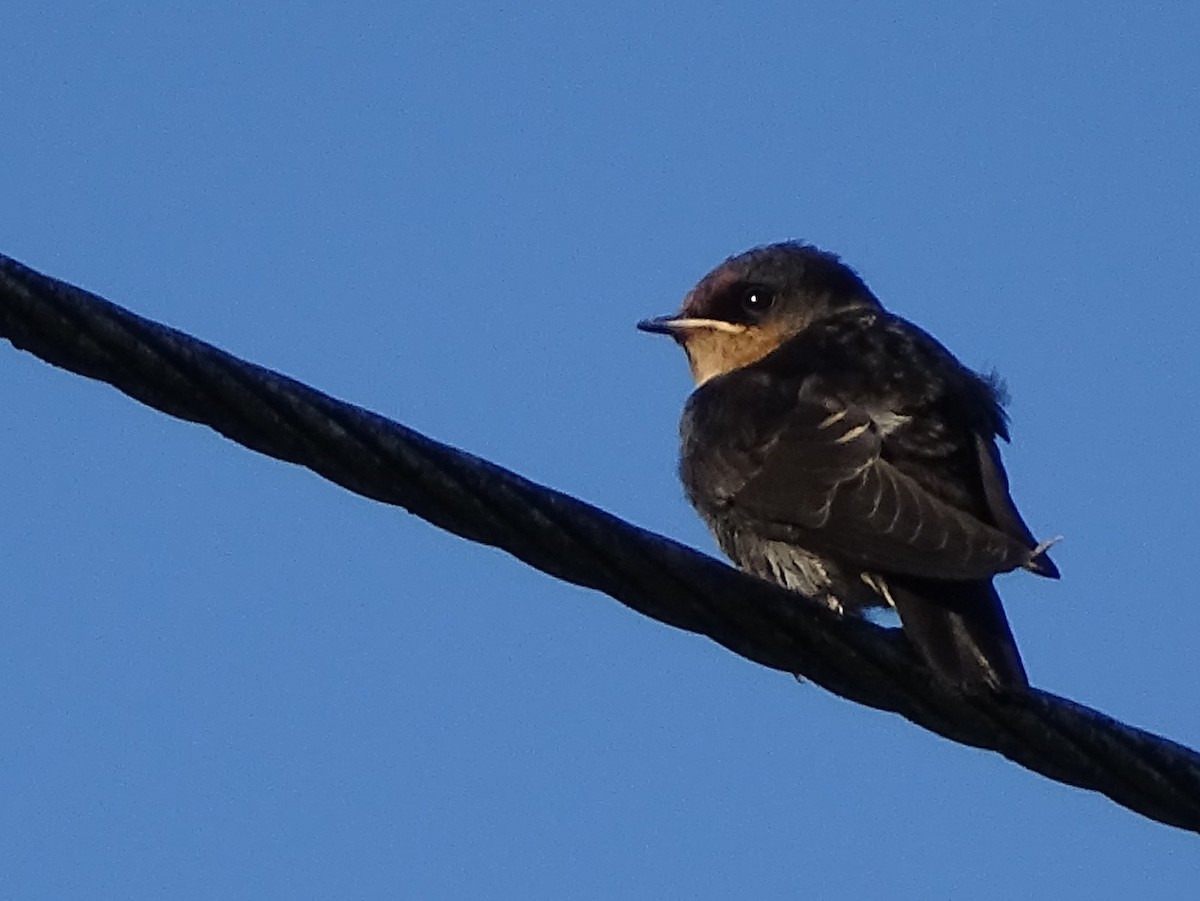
<point x="800" y="468"/>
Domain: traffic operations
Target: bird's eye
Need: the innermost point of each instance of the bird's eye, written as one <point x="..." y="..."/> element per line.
<point x="756" y="300"/>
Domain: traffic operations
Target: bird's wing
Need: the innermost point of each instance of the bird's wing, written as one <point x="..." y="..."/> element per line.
<point x="814" y="476"/>
<point x="1000" y="504"/>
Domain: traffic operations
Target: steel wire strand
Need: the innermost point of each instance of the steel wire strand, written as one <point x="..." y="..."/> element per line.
<point x="571" y="540"/>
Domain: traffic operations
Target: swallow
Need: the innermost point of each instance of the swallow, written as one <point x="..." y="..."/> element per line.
<point x="838" y="450"/>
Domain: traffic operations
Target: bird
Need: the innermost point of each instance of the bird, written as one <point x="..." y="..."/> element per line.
<point x="839" y="450"/>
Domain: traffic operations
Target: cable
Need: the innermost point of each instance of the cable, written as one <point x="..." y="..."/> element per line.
<point x="571" y="540"/>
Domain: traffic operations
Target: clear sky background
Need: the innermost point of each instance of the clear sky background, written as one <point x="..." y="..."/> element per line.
<point x="221" y="677"/>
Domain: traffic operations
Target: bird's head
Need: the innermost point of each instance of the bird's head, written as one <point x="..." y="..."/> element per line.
<point x="754" y="302"/>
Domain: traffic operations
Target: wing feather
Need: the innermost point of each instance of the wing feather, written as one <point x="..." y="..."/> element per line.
<point x="798" y="468"/>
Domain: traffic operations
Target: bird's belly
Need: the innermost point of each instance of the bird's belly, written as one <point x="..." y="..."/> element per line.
<point x="793" y="567"/>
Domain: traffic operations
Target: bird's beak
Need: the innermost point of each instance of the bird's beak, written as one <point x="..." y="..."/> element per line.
<point x="660" y="325"/>
<point x="674" y="325"/>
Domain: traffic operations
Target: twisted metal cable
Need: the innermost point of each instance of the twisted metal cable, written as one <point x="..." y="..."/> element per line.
<point x="560" y="535"/>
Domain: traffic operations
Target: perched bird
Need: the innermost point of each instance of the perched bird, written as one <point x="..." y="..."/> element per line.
<point x="840" y="451"/>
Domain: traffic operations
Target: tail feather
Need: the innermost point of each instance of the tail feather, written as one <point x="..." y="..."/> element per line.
<point x="961" y="631"/>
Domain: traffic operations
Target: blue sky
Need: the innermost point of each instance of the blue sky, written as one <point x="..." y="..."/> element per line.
<point x="224" y="678"/>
